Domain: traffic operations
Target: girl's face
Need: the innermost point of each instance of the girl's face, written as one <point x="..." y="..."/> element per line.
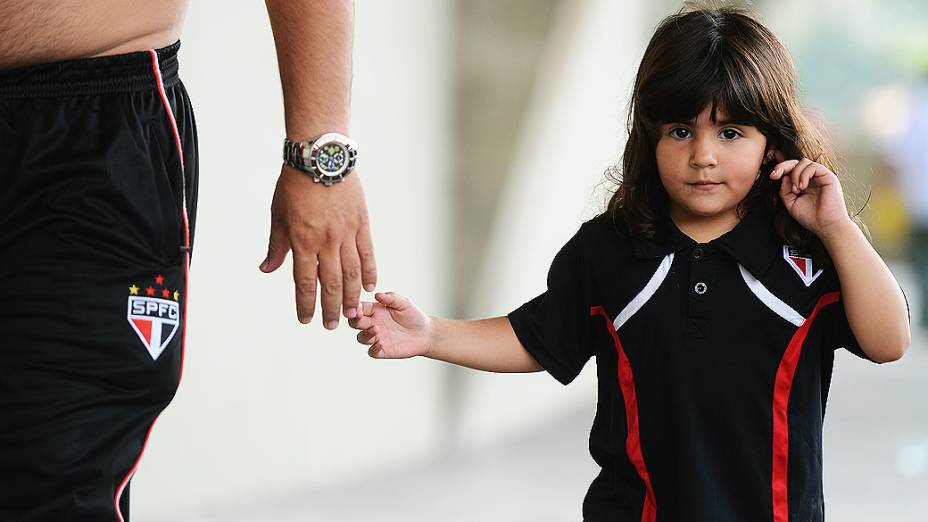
<point x="708" y="168"/>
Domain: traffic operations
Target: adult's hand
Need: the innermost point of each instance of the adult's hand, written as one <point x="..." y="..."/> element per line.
<point x="328" y="230"/>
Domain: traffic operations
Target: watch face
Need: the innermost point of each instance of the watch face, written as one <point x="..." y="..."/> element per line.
<point x="331" y="158"/>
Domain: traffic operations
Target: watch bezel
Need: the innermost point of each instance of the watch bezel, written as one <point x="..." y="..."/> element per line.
<point x="309" y="154"/>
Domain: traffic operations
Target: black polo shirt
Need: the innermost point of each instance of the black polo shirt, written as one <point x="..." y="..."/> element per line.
<point x="714" y="362"/>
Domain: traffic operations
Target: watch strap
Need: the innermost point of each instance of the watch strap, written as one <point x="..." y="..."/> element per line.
<point x="292" y="154"/>
<point x="302" y="155"/>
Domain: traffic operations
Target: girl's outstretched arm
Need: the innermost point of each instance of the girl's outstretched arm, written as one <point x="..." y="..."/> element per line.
<point x="394" y="328"/>
<point x="873" y="302"/>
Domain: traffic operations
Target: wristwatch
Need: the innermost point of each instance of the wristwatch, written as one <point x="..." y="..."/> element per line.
<point x="327" y="158"/>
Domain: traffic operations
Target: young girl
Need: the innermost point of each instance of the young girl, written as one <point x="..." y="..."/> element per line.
<point x="712" y="292"/>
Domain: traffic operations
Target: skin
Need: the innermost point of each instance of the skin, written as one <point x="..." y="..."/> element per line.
<point x="41" y="31"/>
<point x="874" y="304"/>
<point x="728" y="156"/>
<point x="707" y="169"/>
<point x="326" y="228"/>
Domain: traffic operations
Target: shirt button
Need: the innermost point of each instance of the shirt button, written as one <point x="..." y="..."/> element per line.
<point x="697" y="253"/>
<point x="700" y="288"/>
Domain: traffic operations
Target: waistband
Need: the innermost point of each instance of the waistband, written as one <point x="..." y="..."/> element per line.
<point x="89" y="76"/>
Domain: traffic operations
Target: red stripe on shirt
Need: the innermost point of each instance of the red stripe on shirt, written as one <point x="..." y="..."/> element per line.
<point x="781" y="390"/>
<point x="633" y="438"/>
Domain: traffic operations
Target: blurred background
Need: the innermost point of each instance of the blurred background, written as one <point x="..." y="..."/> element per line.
<point x="486" y="127"/>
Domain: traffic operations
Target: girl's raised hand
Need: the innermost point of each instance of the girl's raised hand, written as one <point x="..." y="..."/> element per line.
<point x="812" y="193"/>
<point x="393" y="327"/>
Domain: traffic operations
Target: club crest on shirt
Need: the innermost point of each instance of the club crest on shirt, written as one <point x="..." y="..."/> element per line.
<point x="153" y="313"/>
<point x="801" y="264"/>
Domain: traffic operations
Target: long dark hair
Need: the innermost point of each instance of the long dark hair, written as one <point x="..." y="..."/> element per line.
<point x="720" y="57"/>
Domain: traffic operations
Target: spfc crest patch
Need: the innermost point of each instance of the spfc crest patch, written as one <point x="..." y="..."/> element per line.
<point x="802" y="265"/>
<point x="154" y="314"/>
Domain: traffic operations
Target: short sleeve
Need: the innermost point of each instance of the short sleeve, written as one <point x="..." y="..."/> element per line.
<point x="555" y="326"/>
<point x="838" y="333"/>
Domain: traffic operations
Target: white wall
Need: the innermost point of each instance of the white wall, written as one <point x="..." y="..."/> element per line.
<point x="267" y="404"/>
<point x="575" y="129"/>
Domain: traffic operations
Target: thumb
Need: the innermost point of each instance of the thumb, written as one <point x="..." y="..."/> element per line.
<point x="277" y="247"/>
<point x="391" y="300"/>
<point x="786" y="189"/>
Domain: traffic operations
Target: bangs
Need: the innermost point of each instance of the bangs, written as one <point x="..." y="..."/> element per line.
<point x="710" y="65"/>
<point x="682" y="96"/>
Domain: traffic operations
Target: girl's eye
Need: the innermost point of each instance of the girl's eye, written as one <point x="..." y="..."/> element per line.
<point x="680" y="133"/>
<point x="730" y="134"/>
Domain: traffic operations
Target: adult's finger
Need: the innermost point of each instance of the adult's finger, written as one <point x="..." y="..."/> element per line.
<point x="351" y="279"/>
<point x="366" y="253"/>
<point x="305" y="279"/>
<point x="277" y="247"/>
<point x="363" y="320"/>
<point x="332" y="285"/>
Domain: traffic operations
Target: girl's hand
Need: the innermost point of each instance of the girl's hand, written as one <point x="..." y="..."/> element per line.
<point x="393" y="327"/>
<point x="812" y="194"/>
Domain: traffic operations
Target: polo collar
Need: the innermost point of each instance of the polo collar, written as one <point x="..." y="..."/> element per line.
<point x="667" y="239"/>
<point x="753" y="242"/>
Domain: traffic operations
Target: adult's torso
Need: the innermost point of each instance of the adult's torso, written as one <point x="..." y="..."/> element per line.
<point x="40" y="31"/>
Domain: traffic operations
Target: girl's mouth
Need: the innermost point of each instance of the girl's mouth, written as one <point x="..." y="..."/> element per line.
<point x="705" y="185"/>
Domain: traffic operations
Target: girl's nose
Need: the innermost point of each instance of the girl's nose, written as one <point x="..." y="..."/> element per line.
<point x="702" y="154"/>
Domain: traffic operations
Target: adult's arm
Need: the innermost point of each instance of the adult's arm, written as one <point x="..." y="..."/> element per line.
<point x="324" y="225"/>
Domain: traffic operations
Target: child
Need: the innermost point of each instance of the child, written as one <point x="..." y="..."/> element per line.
<point x="712" y="292"/>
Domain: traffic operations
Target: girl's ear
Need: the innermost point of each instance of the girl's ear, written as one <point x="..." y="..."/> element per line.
<point x="770" y="161"/>
<point x="771" y="155"/>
